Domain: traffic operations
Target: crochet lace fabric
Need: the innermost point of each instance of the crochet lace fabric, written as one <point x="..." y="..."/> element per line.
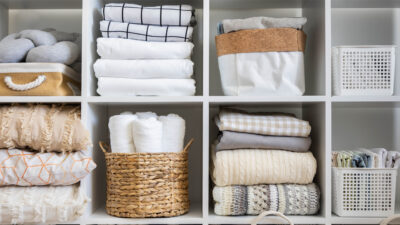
<point x="290" y="199"/>
<point x="43" y="128"/>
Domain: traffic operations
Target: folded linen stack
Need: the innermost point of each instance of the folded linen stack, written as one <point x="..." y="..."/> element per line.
<point x="41" y="158"/>
<point x="146" y="132"/>
<point x="261" y="162"/>
<point x="261" y="56"/>
<point x="366" y="158"/>
<point x="145" y="51"/>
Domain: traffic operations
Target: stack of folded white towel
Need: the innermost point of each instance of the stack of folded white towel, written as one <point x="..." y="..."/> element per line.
<point x="145" y="132"/>
<point x="145" y="51"/>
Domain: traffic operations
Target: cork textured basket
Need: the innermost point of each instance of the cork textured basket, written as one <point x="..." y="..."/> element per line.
<point x="141" y="185"/>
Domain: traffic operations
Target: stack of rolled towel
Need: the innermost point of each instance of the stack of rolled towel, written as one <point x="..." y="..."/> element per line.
<point x="262" y="162"/>
<point x="145" y="51"/>
<point x="41" y="163"/>
<point x="42" y="46"/>
<point x="366" y="158"/>
<point x="145" y="132"/>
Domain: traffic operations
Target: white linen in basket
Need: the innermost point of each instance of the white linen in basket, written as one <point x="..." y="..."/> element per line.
<point x="109" y="86"/>
<point x="117" y="48"/>
<point x="41" y="204"/>
<point x="262" y="73"/>
<point x="144" y="69"/>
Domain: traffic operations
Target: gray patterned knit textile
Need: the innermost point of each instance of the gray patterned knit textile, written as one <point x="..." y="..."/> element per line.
<point x="289" y="199"/>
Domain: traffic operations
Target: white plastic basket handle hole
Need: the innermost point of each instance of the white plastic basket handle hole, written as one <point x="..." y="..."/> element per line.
<point x="270" y="213"/>
<point x="24" y="87"/>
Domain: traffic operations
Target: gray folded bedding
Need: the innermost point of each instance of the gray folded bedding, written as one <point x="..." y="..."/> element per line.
<point x="235" y="140"/>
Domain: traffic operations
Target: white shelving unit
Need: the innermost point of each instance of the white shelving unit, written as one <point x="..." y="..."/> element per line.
<point x="337" y="122"/>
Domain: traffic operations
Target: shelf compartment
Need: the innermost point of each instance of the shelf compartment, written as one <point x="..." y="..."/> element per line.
<point x="314" y="112"/>
<point x="366" y="125"/>
<point x="197" y="56"/>
<point x="315" y="29"/>
<point x="98" y="115"/>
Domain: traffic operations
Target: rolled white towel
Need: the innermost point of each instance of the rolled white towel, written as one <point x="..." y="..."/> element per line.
<point x="146" y="115"/>
<point x="147" y="135"/>
<point x="120" y="127"/>
<point x="173" y="133"/>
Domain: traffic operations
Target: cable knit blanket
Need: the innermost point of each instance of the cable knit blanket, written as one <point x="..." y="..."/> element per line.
<point x="254" y="166"/>
<point x="43" y="128"/>
<point x="289" y="199"/>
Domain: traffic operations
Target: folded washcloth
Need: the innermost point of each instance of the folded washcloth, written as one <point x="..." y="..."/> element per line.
<point x="173" y="133"/>
<point x="177" y="15"/>
<point x="147" y="135"/>
<point x="121" y="138"/>
<point x="254" y="166"/>
<point x="262" y="123"/>
<point x="117" y="48"/>
<point x="289" y="199"/>
<point x="373" y="158"/>
<point x="144" y="69"/>
<point x="140" y="32"/>
<point x="382" y="156"/>
<point x="393" y="159"/>
<point x="236" y="140"/>
<point x="230" y="25"/>
<point x="108" y="86"/>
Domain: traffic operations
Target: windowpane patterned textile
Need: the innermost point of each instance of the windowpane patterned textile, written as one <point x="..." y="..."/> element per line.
<point x="176" y="15"/>
<point x="266" y="124"/>
<point x="110" y="29"/>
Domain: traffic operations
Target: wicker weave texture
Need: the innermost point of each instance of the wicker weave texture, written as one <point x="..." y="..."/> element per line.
<point x="141" y="185"/>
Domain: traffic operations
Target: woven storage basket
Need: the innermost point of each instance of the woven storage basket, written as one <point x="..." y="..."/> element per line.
<point x="141" y="185"/>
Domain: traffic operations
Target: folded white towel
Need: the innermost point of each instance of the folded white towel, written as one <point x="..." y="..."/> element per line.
<point x="108" y="86"/>
<point x="121" y="138"/>
<point x="144" y="69"/>
<point x="173" y="133"/>
<point x="147" y="135"/>
<point x="110" y="29"/>
<point x="393" y="159"/>
<point x="117" y="48"/>
<point x="382" y="156"/>
<point x="178" y="15"/>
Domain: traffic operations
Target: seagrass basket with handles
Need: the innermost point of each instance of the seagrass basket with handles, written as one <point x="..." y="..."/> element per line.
<point x="143" y="185"/>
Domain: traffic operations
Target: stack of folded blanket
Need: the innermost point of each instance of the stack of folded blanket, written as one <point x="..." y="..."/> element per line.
<point x="262" y="162"/>
<point x="145" y="51"/>
<point x="40" y="163"/>
<point x="366" y="158"/>
<point x="145" y="132"/>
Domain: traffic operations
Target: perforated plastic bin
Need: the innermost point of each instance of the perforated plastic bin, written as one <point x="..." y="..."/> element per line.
<point x="363" y="70"/>
<point x="364" y="192"/>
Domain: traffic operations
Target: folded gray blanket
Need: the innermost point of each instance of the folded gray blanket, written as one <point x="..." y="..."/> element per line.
<point x="227" y="26"/>
<point x="235" y="140"/>
<point x="46" y="45"/>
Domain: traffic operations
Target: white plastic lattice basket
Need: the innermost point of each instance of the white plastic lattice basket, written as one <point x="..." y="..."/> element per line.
<point x="363" y="70"/>
<point x="364" y="192"/>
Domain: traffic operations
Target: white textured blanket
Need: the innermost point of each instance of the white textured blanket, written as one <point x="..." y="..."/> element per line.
<point x="144" y="69"/>
<point x="108" y="86"/>
<point x="117" y="48"/>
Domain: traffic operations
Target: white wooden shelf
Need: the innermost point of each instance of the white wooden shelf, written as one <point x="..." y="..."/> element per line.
<point x="337" y="121"/>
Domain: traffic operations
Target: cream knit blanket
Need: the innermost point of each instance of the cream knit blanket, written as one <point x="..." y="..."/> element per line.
<point x="42" y="128"/>
<point x="254" y="166"/>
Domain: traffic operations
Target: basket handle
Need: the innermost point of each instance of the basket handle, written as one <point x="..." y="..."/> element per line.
<point x="188" y="145"/>
<point x="104" y="147"/>
<point x="390" y="219"/>
<point x="267" y="213"/>
<point x="24" y="87"/>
